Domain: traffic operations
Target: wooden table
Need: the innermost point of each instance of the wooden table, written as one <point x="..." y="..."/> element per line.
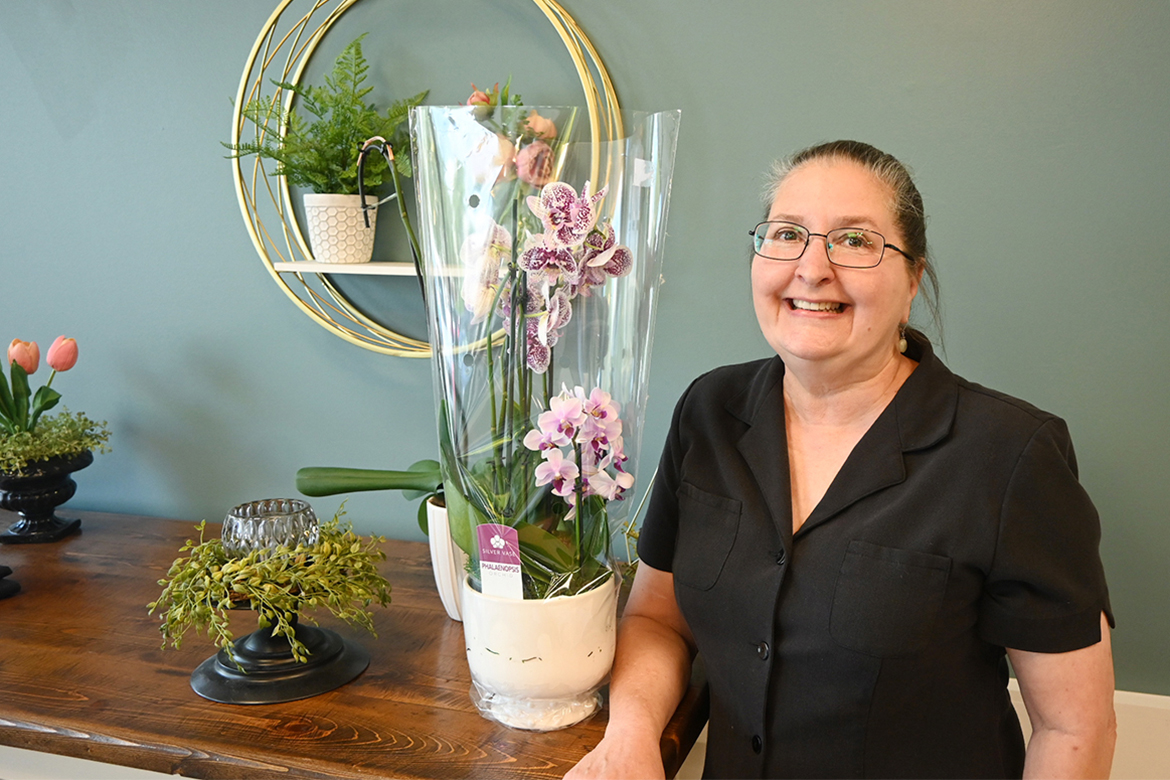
<point x="82" y="674"/>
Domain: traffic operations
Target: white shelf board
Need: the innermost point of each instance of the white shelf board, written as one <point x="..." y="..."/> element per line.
<point x="367" y="269"/>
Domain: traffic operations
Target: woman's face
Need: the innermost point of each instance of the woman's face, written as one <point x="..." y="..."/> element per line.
<point x="858" y="331"/>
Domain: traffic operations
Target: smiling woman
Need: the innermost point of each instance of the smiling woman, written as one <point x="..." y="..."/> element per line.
<point x="814" y="305"/>
<point x="854" y="538"/>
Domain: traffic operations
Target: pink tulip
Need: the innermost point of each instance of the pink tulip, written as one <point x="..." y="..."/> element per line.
<point x="25" y="353"/>
<point x="62" y="355"/>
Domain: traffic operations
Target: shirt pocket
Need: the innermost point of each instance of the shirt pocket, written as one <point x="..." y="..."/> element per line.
<point x="707" y="526"/>
<point x="887" y="599"/>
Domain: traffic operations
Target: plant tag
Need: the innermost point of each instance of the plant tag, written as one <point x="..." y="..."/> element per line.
<point x="499" y="561"/>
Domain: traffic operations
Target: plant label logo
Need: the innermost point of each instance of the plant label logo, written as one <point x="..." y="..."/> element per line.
<point x="499" y="561"/>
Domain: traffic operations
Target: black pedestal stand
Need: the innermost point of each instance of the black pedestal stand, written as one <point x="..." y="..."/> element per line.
<point x="7" y="587"/>
<point x="35" y="493"/>
<point x="272" y="674"/>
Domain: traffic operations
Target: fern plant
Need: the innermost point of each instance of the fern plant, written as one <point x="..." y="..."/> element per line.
<point x="322" y="153"/>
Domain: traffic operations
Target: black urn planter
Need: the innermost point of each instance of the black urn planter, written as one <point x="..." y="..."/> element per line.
<point x="35" y="493"/>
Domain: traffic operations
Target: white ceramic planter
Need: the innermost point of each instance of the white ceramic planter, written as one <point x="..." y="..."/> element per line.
<point x="448" y="561"/>
<point x="538" y="664"/>
<point x="337" y="231"/>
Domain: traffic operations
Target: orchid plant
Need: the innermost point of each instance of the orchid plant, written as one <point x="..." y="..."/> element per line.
<point x="530" y="254"/>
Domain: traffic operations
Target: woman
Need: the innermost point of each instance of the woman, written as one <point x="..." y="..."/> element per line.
<point x="854" y="538"/>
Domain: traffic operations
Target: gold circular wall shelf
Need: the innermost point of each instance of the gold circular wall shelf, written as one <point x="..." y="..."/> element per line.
<point x="281" y="53"/>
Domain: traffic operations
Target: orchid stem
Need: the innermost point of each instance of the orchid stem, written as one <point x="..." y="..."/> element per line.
<point x="580" y="503"/>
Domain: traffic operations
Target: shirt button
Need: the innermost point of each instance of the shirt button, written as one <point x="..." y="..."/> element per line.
<point x="757" y="744"/>
<point x="762" y="651"/>
<point x="780" y="558"/>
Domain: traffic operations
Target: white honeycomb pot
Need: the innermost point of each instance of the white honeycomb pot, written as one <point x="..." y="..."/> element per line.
<point x="337" y="231"/>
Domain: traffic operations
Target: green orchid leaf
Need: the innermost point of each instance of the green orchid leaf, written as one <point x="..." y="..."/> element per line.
<point x="423" y="524"/>
<point x="463" y="518"/>
<point x="327" y="481"/>
<point x="545" y="547"/>
<point x="422" y="467"/>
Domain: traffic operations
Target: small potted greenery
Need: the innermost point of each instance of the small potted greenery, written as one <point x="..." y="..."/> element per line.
<point x="280" y="580"/>
<point x="37" y="454"/>
<point x="321" y="154"/>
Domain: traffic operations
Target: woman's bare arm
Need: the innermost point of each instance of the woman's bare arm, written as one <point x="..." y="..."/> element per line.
<point x="1069" y="697"/>
<point x="650" y="674"/>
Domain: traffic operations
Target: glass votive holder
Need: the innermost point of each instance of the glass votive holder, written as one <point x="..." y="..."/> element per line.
<point x="268" y="524"/>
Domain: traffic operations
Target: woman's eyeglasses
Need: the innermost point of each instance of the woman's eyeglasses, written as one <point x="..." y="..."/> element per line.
<point x="847" y="247"/>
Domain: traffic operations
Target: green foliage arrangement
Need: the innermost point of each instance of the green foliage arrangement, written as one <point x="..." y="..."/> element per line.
<point x="65" y="433"/>
<point x="322" y="154"/>
<point x="338" y="573"/>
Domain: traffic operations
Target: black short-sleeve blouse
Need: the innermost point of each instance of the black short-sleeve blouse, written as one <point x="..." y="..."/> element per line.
<point x="871" y="643"/>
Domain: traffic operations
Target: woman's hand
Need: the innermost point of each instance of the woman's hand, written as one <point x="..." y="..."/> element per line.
<point x="1069" y="697"/>
<point x="621" y="754"/>
<point x="650" y="674"/>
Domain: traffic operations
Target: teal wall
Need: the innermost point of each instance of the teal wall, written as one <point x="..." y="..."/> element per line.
<point x="1038" y="132"/>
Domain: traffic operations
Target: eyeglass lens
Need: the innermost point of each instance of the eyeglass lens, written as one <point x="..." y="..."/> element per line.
<point x="851" y="247"/>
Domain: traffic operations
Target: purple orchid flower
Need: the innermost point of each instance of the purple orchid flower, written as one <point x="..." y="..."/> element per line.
<point x="567" y="218"/>
<point x="543" y="256"/>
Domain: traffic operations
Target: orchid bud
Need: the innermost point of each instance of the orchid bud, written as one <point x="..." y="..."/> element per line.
<point x="62" y="355"/>
<point x="26" y="354"/>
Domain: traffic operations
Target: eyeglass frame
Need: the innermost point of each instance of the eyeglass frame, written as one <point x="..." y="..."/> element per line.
<point x="808" y="240"/>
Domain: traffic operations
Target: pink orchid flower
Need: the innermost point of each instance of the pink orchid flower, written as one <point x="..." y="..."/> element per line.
<point x="567" y="218"/>
<point x="560" y="472"/>
<point x="565" y="414"/>
<point x="600" y="433"/>
<point x="26" y="354"/>
<point x="601" y="404"/>
<point x="539" y="441"/>
<point x="609" y="487"/>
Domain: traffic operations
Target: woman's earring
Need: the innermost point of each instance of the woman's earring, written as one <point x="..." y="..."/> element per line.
<point x="902" y="338"/>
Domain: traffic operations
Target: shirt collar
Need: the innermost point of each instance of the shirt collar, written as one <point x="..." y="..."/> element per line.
<point x="924" y="406"/>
